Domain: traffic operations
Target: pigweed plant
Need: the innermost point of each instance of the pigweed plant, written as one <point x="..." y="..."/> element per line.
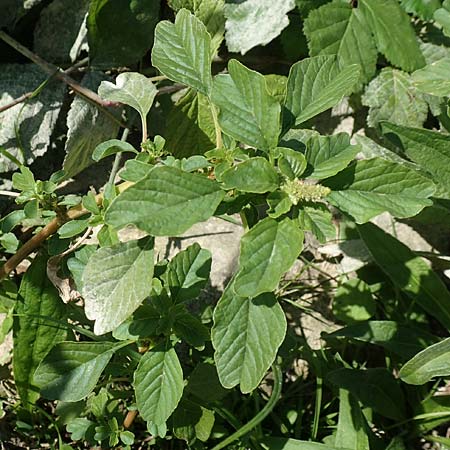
<point x="116" y="347"/>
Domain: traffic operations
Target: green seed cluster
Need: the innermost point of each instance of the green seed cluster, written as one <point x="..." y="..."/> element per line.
<point x="301" y="191"/>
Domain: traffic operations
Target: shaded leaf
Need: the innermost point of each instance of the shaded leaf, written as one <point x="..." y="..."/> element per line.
<point x="191" y="421"/>
<point x="182" y="51"/>
<point x="158" y="383"/>
<point x="153" y="203"/>
<point x="115" y="282"/>
<point x="422" y="8"/>
<point x="268" y="250"/>
<point x="36" y="328"/>
<point x="247" y="111"/>
<point x="400" y="339"/>
<point x="111" y="147"/>
<point x="316" y="217"/>
<point x="410" y="273"/>
<point x="372" y="186"/>
<point x="374" y="388"/>
<point x="246" y="336"/>
<point x="255" y="22"/>
<point x="190" y="126"/>
<point x="111" y="23"/>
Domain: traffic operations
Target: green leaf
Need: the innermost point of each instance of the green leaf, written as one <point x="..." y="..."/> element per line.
<point x="190" y="126"/>
<point x="188" y="273"/>
<point x="112" y="147"/>
<point x="392" y="96"/>
<point x="27" y="127"/>
<point x="372" y="186"/>
<point x="432" y="362"/>
<point x="132" y="89"/>
<point x="291" y="163"/>
<point x="246" y="336"/>
<point x="315" y="85"/>
<point x="396" y="338"/>
<point x="276" y="86"/>
<point x="115" y="282"/>
<point x="34" y="336"/>
<point x="442" y="17"/>
<point x="273" y="443"/>
<point x="254" y="175"/>
<point x="316" y="217"/>
<point x="182" y="51"/>
<point x="429" y="149"/>
<point x="190" y="329"/>
<point x="167" y="202"/>
<point x="204" y="384"/>
<point x="77" y="263"/>
<point x="158" y="383"/>
<point x="374" y="388"/>
<point x="111" y="23"/>
<point x="393" y="33"/>
<point x="353" y="302"/>
<point x="247" y="111"/>
<point x="87" y="127"/>
<point x="72" y="228"/>
<point x="255" y="22"/>
<point x="191" y="421"/>
<point x="422" y="8"/>
<point x="410" y="273"/>
<point x="352" y="426"/>
<point x="268" y="250"/>
<point x="339" y="29"/>
<point x="328" y="155"/>
<point x="71" y="370"/>
<point x="433" y="79"/>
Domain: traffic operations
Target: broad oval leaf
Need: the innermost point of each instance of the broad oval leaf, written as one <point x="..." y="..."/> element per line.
<point x="182" y="51"/>
<point x="410" y="273"/>
<point x="372" y="186"/>
<point x="71" y="370"/>
<point x="132" y="89"/>
<point x="158" y="383"/>
<point x="374" y="388"/>
<point x="328" y="155"/>
<point x="166" y="202"/>
<point x="392" y="96"/>
<point x="34" y="336"/>
<point x="315" y="85"/>
<point x="254" y="175"/>
<point x="432" y="362"/>
<point x="115" y="282"/>
<point x="268" y="250"/>
<point x="112" y="147"/>
<point x="246" y="336"/>
<point x="188" y="272"/>
<point x="248" y="113"/>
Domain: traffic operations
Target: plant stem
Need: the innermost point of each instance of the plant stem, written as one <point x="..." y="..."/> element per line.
<point x="51" y="228"/>
<point x="51" y="69"/>
<point x="9" y="193"/>
<point x="317" y="408"/>
<point x="219" y="142"/>
<point x="276" y="392"/>
<point x="118" y="157"/>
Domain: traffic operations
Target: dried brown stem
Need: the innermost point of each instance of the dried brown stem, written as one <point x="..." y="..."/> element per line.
<point x="51" y="228"/>
<point x="51" y="69"/>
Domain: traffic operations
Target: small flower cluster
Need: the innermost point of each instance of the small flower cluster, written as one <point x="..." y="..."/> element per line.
<point x="299" y="190"/>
